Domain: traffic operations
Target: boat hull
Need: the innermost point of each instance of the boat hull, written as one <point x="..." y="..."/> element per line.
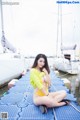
<point x="10" y="68"/>
<point x="65" y="65"/>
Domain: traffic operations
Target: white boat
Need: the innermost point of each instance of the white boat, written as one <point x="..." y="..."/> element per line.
<point x="65" y="60"/>
<point x="11" y="66"/>
<point x="68" y="61"/>
<point x="65" y="65"/>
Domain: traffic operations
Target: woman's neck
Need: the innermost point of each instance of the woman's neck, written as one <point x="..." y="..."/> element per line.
<point x="38" y="69"/>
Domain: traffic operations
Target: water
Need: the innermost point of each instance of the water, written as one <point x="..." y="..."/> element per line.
<point x="75" y="84"/>
<point x="29" y="61"/>
<point x="3" y="90"/>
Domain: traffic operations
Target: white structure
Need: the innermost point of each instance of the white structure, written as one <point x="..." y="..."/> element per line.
<point x="11" y="66"/>
<point x="67" y="62"/>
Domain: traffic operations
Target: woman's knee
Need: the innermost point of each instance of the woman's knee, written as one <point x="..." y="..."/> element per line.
<point x="35" y="101"/>
<point x="48" y="102"/>
<point x="63" y="92"/>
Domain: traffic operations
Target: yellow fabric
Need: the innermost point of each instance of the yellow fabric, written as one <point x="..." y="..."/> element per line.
<point x="36" y="81"/>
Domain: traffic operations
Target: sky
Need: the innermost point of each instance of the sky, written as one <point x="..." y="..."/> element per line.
<point x="34" y="26"/>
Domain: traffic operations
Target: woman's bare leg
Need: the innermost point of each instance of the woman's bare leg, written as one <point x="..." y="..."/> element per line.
<point x="59" y="95"/>
<point x="53" y="100"/>
<point x="45" y="100"/>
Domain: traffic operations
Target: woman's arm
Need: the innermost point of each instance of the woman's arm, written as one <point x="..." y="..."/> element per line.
<point x="35" y="81"/>
<point x="47" y="77"/>
<point x="45" y="91"/>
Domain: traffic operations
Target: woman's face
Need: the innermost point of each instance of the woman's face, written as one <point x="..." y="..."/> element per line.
<point x="40" y="62"/>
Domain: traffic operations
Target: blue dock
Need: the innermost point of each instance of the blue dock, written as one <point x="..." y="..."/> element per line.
<point x="17" y="103"/>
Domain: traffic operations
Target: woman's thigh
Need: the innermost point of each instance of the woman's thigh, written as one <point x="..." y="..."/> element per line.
<point x="58" y="96"/>
<point x="49" y="101"/>
<point x="61" y="92"/>
<point x="44" y="100"/>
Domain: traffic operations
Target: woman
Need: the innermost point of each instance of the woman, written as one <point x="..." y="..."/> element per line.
<point x="40" y="80"/>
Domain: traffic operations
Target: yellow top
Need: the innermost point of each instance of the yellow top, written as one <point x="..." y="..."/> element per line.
<point x="36" y="80"/>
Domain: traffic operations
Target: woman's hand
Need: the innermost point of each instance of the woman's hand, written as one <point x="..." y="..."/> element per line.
<point x="47" y="77"/>
<point x="45" y="71"/>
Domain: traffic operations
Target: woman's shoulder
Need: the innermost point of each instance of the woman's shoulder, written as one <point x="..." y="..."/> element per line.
<point x="33" y="70"/>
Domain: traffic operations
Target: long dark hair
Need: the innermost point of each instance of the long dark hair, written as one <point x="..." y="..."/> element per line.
<point x="46" y="62"/>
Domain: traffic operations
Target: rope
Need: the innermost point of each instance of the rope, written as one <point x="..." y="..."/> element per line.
<point x="68" y="103"/>
<point x="57" y="32"/>
<point x="2" y="18"/>
<point x="55" y="118"/>
<point x="74" y="107"/>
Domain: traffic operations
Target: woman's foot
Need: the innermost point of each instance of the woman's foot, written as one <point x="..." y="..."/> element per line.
<point x="43" y="108"/>
<point x="66" y="101"/>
